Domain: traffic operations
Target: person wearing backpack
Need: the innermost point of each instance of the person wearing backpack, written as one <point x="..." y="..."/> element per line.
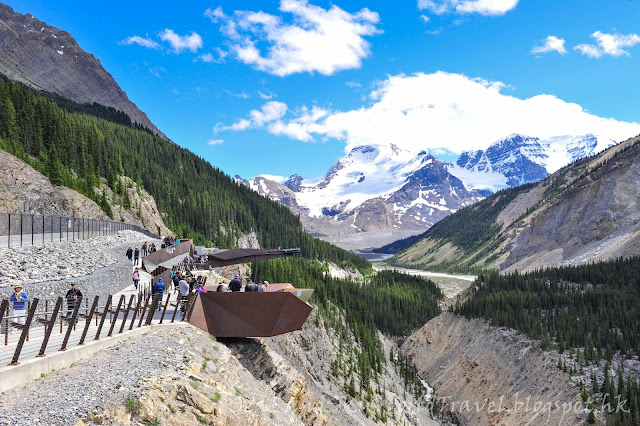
<point x="19" y="299"/>
<point x="158" y="288"/>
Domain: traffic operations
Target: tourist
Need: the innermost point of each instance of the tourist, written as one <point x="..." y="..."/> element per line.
<point x="158" y="288"/>
<point x="136" y="256"/>
<point x="129" y="254"/>
<point x="145" y="252"/>
<point x="201" y="289"/>
<point x="250" y="286"/>
<point x="235" y="285"/>
<point x="184" y="293"/>
<point x="136" y="277"/>
<point x="220" y="288"/>
<point x="262" y="287"/>
<point x="176" y="280"/>
<point x="19" y="299"/>
<point x="152" y="249"/>
<point x="72" y="296"/>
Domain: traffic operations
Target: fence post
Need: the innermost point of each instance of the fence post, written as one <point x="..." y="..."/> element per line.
<point x="32" y="217"/>
<point x="87" y="322"/>
<point x="25" y="331"/>
<point x="48" y="327"/>
<point x="107" y="309"/>
<point x="9" y="238"/>
<point x="70" y="327"/>
<point x="42" y="228"/>
<point x="113" y="323"/>
<point x="21" y="229"/>
<point x="60" y="226"/>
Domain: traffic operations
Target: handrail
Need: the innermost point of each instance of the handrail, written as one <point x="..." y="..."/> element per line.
<point x="144" y="311"/>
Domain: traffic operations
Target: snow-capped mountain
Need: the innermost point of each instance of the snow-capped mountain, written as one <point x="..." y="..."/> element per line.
<point x="518" y="159"/>
<point x="379" y="194"/>
<point x="373" y="195"/>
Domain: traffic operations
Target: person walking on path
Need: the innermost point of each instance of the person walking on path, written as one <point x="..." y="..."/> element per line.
<point x="72" y="296"/>
<point x="136" y="277"/>
<point x="19" y="299"/>
<point x="129" y="253"/>
<point x="144" y="249"/>
<point x="184" y="293"/>
<point x="158" y="288"/>
<point x="136" y="256"/>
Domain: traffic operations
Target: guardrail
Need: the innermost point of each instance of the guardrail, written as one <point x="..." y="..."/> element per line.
<point x="20" y="229"/>
<point x="39" y="323"/>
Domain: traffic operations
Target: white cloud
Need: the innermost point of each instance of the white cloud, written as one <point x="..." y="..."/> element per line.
<point x="267" y="95"/>
<point x="482" y="7"/>
<point x="179" y="43"/>
<point x="425" y="18"/>
<point x="318" y="40"/>
<point x="353" y="84"/>
<point x="210" y="58"/>
<point x="609" y="44"/>
<point x="268" y="113"/>
<point x="240" y="95"/>
<point x="141" y="41"/>
<point x="444" y="111"/>
<point x="550" y="44"/>
<point x="275" y="178"/>
<point x="215" y="141"/>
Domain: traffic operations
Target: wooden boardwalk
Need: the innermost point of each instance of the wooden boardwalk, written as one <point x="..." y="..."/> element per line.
<point x="111" y="327"/>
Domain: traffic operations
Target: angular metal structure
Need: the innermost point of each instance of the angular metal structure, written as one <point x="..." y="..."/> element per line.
<point x="281" y="309"/>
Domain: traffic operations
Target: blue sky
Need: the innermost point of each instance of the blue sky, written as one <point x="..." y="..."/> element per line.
<point x="278" y="88"/>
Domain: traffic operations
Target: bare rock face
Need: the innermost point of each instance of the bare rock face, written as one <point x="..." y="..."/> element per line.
<point x="486" y="375"/>
<point x="24" y="189"/>
<point x="46" y="58"/>
<point x="595" y="218"/>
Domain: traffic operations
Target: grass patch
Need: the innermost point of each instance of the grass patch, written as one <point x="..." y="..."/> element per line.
<point x="216" y="397"/>
<point x="171" y="408"/>
<point x="132" y="405"/>
<point x="204" y="366"/>
<point x="238" y="392"/>
<point x="194" y="385"/>
<point x="272" y="416"/>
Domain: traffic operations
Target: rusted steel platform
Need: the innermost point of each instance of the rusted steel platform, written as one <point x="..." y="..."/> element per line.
<point x="241" y="314"/>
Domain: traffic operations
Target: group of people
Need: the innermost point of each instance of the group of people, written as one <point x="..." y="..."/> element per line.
<point x="20" y="301"/>
<point x="170" y="241"/>
<point x="134" y="255"/>
<point x="235" y="285"/>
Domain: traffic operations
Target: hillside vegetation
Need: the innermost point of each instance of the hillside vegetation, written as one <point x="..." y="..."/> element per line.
<point x="588" y="210"/>
<point x="392" y="302"/>
<point x="81" y="148"/>
<point x="592" y="311"/>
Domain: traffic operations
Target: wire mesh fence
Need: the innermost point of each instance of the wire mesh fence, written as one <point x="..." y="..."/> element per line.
<point x="22" y="229"/>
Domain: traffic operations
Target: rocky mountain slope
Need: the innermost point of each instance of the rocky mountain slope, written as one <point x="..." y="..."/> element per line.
<point x="518" y="159"/>
<point x="376" y="195"/>
<point x="481" y="374"/>
<point x="372" y="196"/>
<point x="583" y="212"/>
<point x="25" y="190"/>
<point x="47" y="58"/>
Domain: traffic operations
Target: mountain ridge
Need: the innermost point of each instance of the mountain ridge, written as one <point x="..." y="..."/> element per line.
<point x="583" y="212"/>
<point x="375" y="195"/>
<point x="49" y="59"/>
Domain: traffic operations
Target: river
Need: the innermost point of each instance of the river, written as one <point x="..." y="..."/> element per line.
<point x="450" y="284"/>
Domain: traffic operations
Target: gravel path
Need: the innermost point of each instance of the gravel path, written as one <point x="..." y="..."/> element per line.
<point x="64" y="396"/>
<point x="98" y="266"/>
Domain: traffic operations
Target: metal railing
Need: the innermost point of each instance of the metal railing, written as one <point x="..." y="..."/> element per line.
<point x="139" y="311"/>
<point x="22" y="229"/>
